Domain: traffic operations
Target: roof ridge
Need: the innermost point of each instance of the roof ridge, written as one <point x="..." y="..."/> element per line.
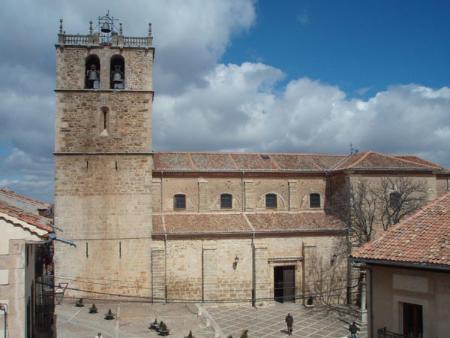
<point x="10" y="192"/>
<point x="337" y="165"/>
<point x="367" y="153"/>
<point x="234" y="162"/>
<point x="248" y="153"/>
<point x="317" y="164"/>
<point x="416" y="163"/>
<point x="192" y="161"/>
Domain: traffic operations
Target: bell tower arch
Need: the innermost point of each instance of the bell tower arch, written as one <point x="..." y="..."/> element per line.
<point x="103" y="160"/>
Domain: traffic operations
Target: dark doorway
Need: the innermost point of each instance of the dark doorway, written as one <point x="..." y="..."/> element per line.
<point x="284" y="283"/>
<point x="412" y="320"/>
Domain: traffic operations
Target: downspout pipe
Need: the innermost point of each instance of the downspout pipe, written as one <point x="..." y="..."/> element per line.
<point x="253" y="270"/>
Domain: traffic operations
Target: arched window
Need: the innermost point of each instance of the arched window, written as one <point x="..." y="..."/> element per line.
<point x="394" y="199"/>
<point x="117" y="72"/>
<point x="314" y="200"/>
<point x="226" y="201"/>
<point x="271" y="201"/>
<point x="179" y="202"/>
<point x="92" y="72"/>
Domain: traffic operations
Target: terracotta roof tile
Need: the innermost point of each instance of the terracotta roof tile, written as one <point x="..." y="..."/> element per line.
<point x="294" y="221"/>
<point x="422" y="238"/>
<point x="201" y="223"/>
<point x="374" y="160"/>
<point x="418" y="160"/>
<point x="32" y="219"/>
<point x="210" y="223"/>
<point x="254" y="161"/>
<point x="218" y="161"/>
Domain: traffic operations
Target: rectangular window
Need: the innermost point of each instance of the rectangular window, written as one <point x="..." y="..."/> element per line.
<point x="179" y="202"/>
<point x="412" y="320"/>
<point x="314" y="200"/>
<point x="271" y="201"/>
<point x="226" y="201"/>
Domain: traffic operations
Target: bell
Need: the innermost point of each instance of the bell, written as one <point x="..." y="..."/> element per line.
<point x="117" y="77"/>
<point x="109" y="315"/>
<point x="106" y="28"/>
<point x="92" y="75"/>
<point x="79" y="303"/>
<point x="93" y="309"/>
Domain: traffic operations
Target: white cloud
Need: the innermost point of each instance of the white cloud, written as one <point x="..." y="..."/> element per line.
<point x="239" y="108"/>
<point x="200" y="103"/>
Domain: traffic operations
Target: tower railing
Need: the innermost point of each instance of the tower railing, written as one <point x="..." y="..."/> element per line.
<point x="114" y="40"/>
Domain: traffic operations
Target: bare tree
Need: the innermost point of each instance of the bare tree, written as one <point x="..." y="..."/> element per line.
<point x="366" y="206"/>
<point x="327" y="277"/>
<point x="362" y="214"/>
<point x="398" y="197"/>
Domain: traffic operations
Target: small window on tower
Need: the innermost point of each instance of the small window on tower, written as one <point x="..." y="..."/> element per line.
<point x="92" y="77"/>
<point x="271" y="201"/>
<point x="117" y="72"/>
<point x="179" y="202"/>
<point x="104" y="121"/>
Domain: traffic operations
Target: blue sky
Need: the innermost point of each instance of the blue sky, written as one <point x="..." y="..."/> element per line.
<point x="353" y="44"/>
<point x="244" y="75"/>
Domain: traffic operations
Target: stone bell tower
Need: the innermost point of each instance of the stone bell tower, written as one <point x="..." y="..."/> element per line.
<point x="103" y="160"/>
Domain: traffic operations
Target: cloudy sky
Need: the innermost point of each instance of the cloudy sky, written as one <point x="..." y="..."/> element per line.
<point x="291" y="76"/>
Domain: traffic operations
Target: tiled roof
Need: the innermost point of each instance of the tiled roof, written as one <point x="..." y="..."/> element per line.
<point x="279" y="162"/>
<point x="24" y="209"/>
<point x="292" y="221"/>
<point x="422" y="239"/>
<point x="223" y="223"/>
<point x="373" y="160"/>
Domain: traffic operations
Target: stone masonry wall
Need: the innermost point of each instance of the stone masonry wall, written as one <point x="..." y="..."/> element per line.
<point x="204" y="269"/>
<point x="203" y="193"/>
<point x="107" y="213"/>
<point x="71" y="67"/>
<point x="80" y="126"/>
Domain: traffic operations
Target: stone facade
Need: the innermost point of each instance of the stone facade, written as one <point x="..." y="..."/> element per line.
<point x="227" y="269"/>
<point x="114" y="197"/>
<point x="103" y="177"/>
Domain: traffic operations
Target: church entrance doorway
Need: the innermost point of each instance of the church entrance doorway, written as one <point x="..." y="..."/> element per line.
<point x="284" y="283"/>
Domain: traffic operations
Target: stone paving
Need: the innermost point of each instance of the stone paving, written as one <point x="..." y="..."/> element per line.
<point x="268" y="321"/>
<point x="132" y="320"/>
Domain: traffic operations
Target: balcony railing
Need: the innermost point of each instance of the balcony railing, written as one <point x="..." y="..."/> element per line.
<point x="78" y="40"/>
<point x="113" y="40"/>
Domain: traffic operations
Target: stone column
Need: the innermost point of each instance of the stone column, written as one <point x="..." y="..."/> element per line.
<point x="363" y="309"/>
<point x="249" y="198"/>
<point x="261" y="271"/>
<point x="209" y="273"/>
<point x="293" y="196"/>
<point x="158" y="280"/>
<point x="202" y="195"/>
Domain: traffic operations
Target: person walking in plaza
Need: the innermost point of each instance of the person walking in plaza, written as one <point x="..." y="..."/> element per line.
<point x="353" y="328"/>
<point x="289" y="322"/>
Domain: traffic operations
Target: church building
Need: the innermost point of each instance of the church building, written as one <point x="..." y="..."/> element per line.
<point x="189" y="226"/>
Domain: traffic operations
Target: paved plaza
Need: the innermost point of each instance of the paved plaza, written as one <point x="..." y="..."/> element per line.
<point x="132" y="320"/>
<point x="269" y="321"/>
<point x="205" y="320"/>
